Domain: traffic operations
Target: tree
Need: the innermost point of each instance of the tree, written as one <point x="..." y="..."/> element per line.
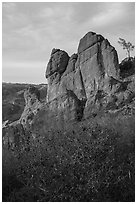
<point x="126" y="46"/>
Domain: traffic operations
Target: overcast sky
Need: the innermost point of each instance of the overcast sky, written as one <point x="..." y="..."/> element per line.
<point x="31" y="30"/>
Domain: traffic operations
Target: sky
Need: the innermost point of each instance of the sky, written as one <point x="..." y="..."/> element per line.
<point x="31" y="30"/>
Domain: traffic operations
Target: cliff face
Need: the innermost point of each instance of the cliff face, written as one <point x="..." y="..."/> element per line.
<point x="78" y="87"/>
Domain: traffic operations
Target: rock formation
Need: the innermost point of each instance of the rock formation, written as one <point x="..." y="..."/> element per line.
<point x="17" y="133"/>
<point x="78" y="87"/>
<point x="86" y="73"/>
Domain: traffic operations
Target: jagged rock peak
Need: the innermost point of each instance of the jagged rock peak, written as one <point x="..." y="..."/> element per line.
<point x="57" y="63"/>
<point x="54" y="50"/>
<point x="89" y="40"/>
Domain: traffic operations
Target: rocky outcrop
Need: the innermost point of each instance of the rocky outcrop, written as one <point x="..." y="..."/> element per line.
<point x="78" y="86"/>
<point x="33" y="104"/>
<point x="17" y="134"/>
<point x="55" y="68"/>
<point x="87" y="72"/>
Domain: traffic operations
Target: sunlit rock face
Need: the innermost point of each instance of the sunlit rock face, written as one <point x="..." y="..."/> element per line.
<point x="97" y="59"/>
<point x="84" y="73"/>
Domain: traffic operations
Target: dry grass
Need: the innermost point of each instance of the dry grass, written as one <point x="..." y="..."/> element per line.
<point x="88" y="161"/>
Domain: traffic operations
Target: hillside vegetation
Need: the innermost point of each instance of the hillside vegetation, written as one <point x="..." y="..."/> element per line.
<point x="74" y="140"/>
<point x="92" y="160"/>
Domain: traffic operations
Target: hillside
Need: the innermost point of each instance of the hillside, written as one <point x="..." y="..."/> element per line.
<point x="75" y="142"/>
<point x="13" y="102"/>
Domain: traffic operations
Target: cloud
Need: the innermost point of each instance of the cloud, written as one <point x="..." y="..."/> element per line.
<point x="8" y="7"/>
<point x="57" y="20"/>
<point x="36" y="33"/>
<point x="107" y="17"/>
<point x="60" y="12"/>
<point x="110" y="15"/>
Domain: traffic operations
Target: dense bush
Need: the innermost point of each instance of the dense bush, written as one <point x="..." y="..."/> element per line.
<point x="127" y="67"/>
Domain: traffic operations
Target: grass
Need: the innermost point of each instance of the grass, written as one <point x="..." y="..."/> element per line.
<point x="87" y="162"/>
